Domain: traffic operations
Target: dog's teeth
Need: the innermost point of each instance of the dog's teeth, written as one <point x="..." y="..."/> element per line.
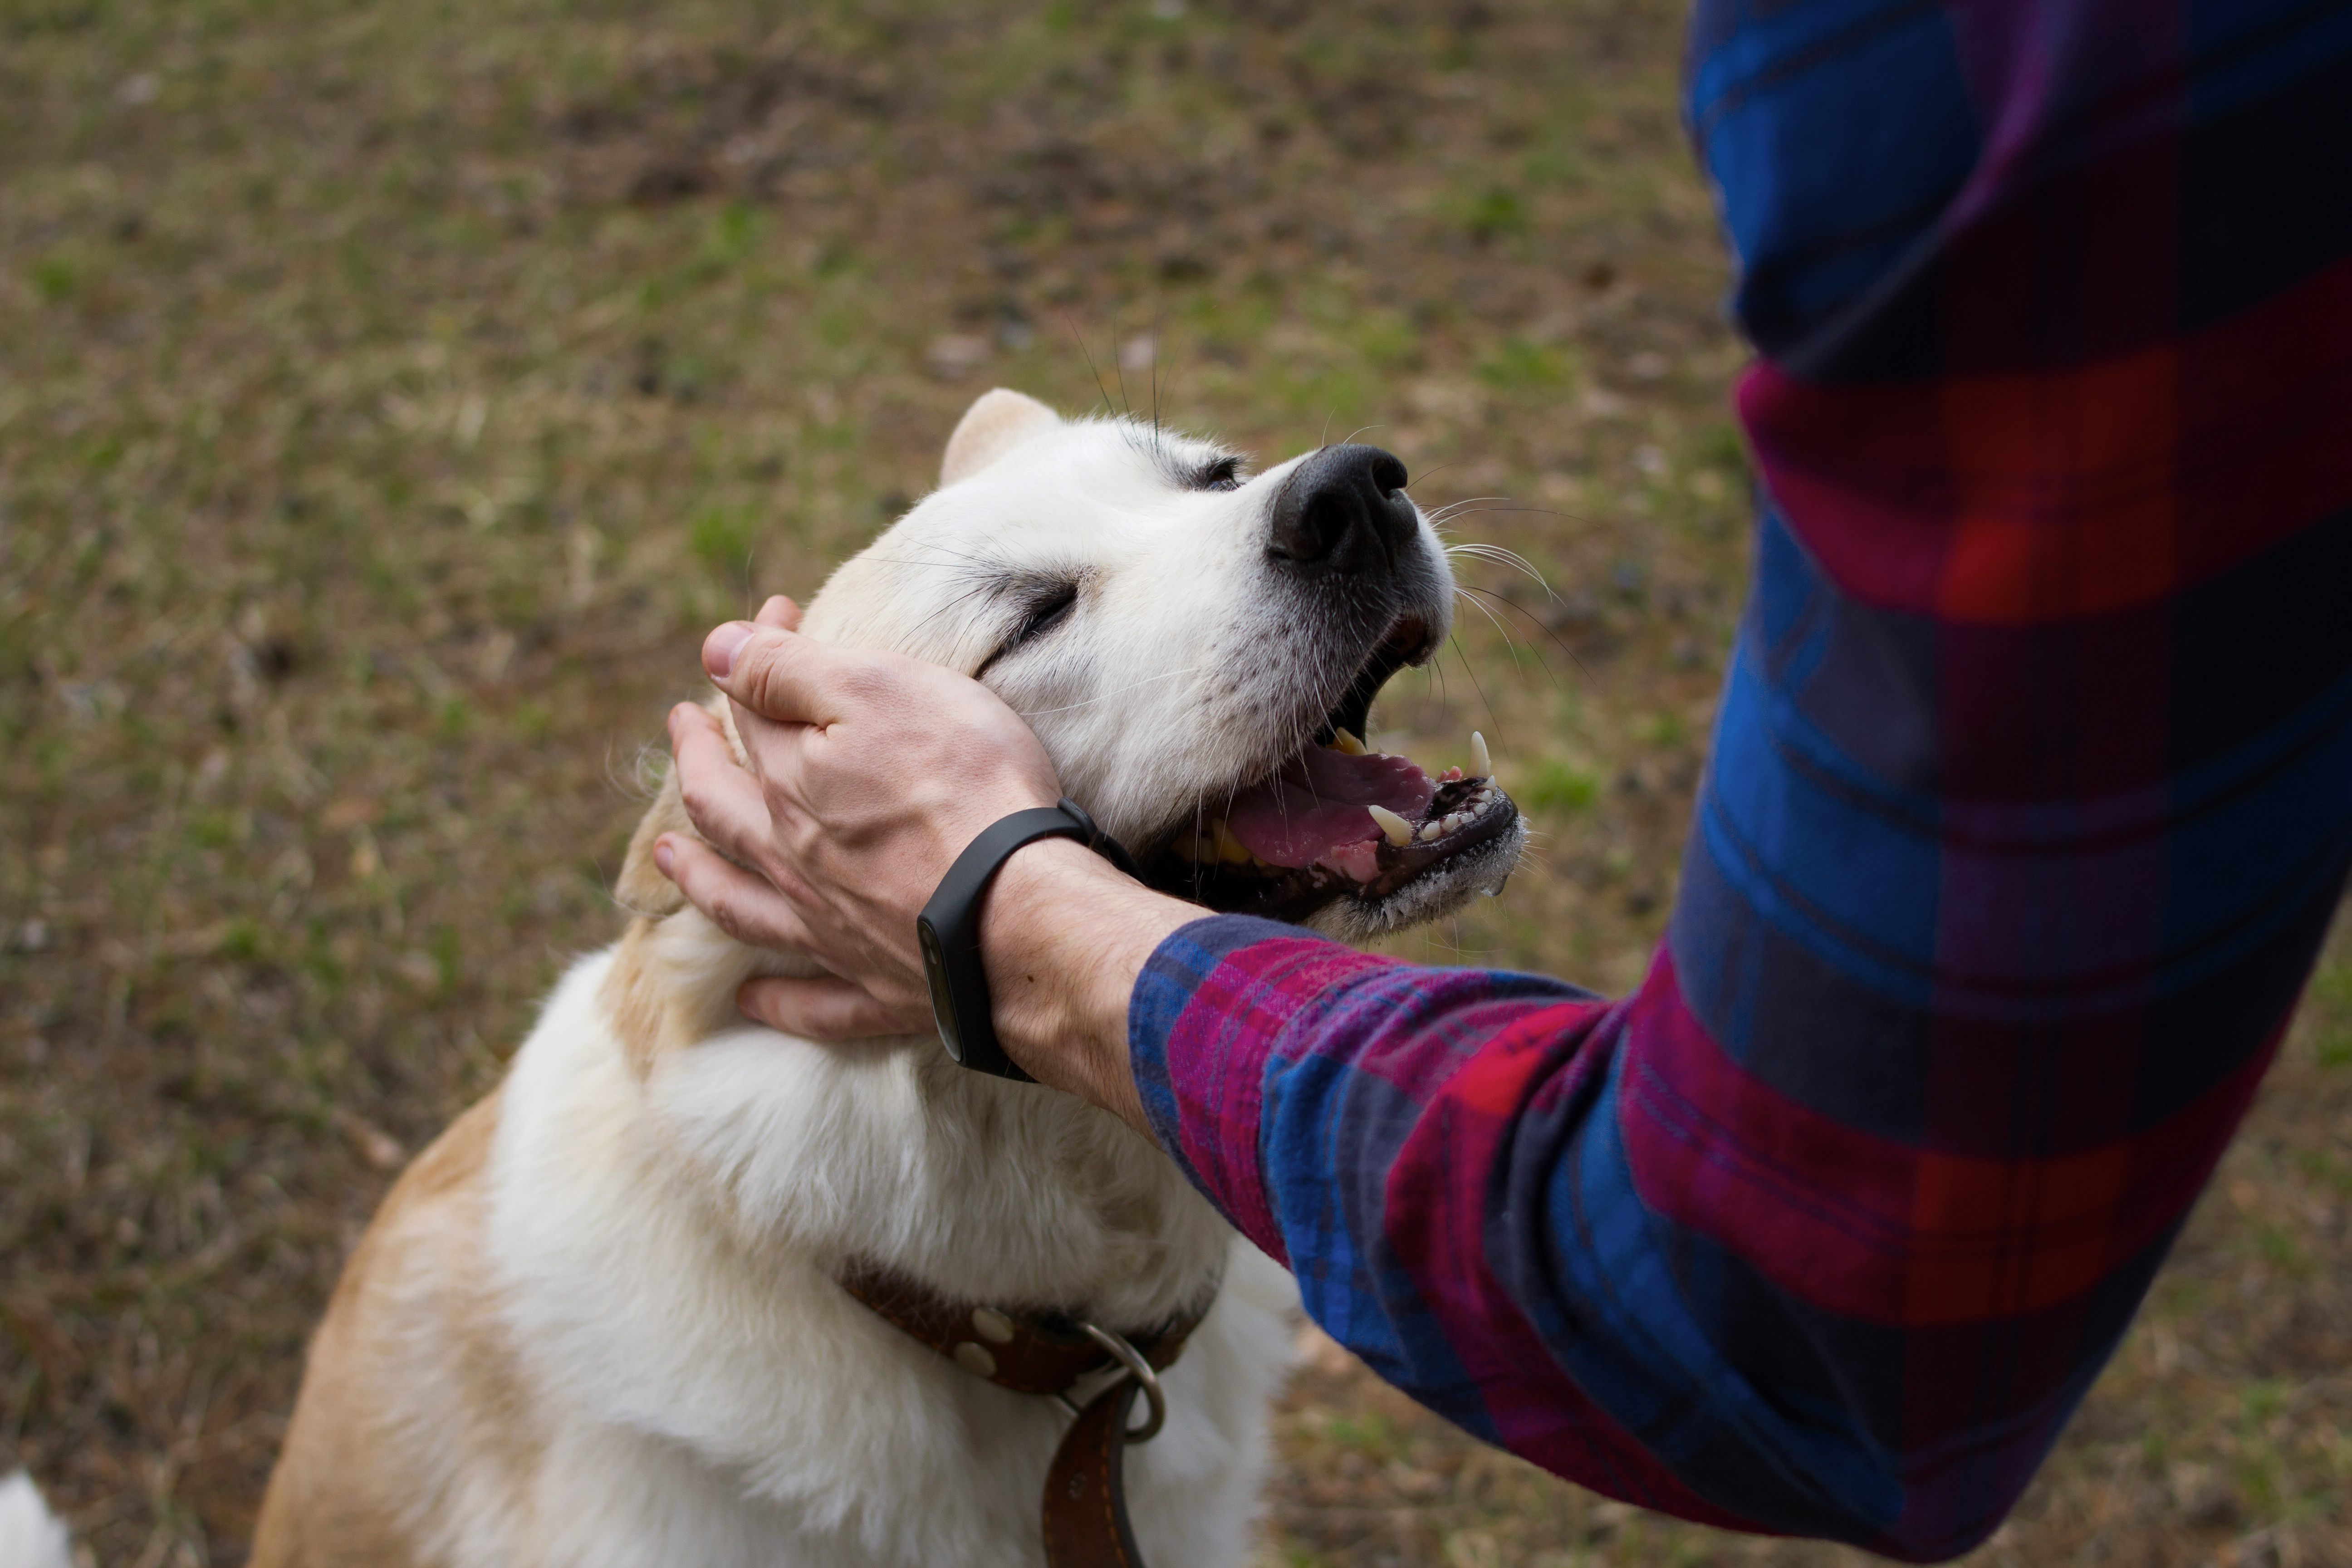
<point x="1482" y="766"/>
<point x="1394" y="828"/>
<point x="1430" y="830"/>
<point x="1229" y="849"/>
<point x="1346" y="743"/>
<point x="1453" y="824"/>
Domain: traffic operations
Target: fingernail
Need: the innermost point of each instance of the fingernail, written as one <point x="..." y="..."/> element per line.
<point x="662" y="856"/>
<point x="719" y="647"/>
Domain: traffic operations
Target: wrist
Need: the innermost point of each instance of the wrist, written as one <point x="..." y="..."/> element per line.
<point x="1063" y="936"/>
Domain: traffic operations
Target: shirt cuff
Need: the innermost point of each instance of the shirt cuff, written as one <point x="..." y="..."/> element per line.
<point x="1208" y="1015"/>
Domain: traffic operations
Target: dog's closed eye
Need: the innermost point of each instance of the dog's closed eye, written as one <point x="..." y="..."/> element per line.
<point x="1045" y="605"/>
<point x="1049" y="609"/>
<point x="1217" y="474"/>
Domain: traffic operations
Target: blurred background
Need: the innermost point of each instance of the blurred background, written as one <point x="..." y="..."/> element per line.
<point x="391" y="394"/>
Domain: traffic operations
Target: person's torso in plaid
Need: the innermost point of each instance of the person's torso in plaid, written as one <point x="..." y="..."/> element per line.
<point x="2028" y="803"/>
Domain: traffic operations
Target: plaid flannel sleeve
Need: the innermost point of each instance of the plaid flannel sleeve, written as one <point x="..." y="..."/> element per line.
<point x="2029" y="802"/>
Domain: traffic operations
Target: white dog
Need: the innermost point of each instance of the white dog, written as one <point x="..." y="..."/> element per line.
<point x="603" y="1320"/>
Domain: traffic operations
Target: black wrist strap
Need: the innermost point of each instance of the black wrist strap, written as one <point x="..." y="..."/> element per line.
<point x="948" y="927"/>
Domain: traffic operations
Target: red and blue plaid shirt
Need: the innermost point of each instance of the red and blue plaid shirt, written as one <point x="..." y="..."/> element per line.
<point x="2029" y="802"/>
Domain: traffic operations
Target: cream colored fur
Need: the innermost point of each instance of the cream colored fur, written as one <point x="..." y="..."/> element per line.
<point x="30" y="1536"/>
<point x="596" y="1325"/>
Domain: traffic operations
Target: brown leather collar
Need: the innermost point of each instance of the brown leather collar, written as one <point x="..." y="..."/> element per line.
<point x="1048" y="1353"/>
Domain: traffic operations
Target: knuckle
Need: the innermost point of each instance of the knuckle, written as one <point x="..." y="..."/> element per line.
<point x="780" y="1006"/>
<point x="759" y="999"/>
<point x="724" y="905"/>
<point x="695" y="793"/>
<point x="750" y="659"/>
<point x="757" y="668"/>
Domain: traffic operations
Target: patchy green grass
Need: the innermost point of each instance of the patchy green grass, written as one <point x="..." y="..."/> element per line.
<point x="390" y="397"/>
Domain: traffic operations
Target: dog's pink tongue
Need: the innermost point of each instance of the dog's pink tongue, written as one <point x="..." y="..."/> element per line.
<point x="1317" y="805"/>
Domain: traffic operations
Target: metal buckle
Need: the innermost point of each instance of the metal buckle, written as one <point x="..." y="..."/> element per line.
<point x="1144" y="1375"/>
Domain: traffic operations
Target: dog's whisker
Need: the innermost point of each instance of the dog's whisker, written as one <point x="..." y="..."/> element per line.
<point x="1532" y="620"/>
<point x="950" y="560"/>
<point x="1511" y="643"/>
<point x="1119" y="369"/>
<point x="1458" y="503"/>
<point x="1466" y="510"/>
<point x="1478" y="686"/>
<point x="1480" y="551"/>
<point x="1092" y="369"/>
<point x="1493" y="619"/>
<point x="1536" y="859"/>
<point x="1430" y="474"/>
<point x="1447" y="512"/>
<point x="1158" y="321"/>
<point x="1476" y="597"/>
<point x="972" y="593"/>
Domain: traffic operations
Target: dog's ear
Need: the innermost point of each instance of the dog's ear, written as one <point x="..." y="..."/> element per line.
<point x="994" y="425"/>
<point x="641" y="889"/>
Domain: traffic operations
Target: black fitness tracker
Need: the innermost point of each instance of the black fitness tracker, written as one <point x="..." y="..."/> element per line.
<point x="949" y="928"/>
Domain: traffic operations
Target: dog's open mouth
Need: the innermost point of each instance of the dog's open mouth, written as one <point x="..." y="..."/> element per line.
<point x="1337" y="821"/>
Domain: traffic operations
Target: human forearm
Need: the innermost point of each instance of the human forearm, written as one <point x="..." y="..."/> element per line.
<point x="1064" y="935"/>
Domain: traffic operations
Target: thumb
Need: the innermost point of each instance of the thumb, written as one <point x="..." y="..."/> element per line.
<point x="775" y="673"/>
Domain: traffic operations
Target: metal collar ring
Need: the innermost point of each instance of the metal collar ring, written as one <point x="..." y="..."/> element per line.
<point x="1145" y="1376"/>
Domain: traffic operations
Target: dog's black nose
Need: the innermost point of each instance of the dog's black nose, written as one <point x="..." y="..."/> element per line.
<point x="1344" y="511"/>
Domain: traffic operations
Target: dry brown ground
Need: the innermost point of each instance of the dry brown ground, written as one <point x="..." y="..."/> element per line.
<point x="389" y="397"/>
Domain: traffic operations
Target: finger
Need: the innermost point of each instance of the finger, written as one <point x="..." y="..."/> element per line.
<point x="780" y="674"/>
<point x="779" y="612"/>
<point x="826" y="1009"/>
<point x="721" y="797"/>
<point x="744" y="906"/>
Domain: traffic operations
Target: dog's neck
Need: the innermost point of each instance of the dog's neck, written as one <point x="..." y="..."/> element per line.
<point x="886" y="1154"/>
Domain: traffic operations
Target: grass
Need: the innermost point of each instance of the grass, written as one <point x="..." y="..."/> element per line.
<point x="390" y="397"/>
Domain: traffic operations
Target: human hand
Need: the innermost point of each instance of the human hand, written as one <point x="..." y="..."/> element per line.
<point x="869" y="773"/>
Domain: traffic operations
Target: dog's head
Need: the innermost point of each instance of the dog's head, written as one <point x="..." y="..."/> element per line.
<point x="1198" y="647"/>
